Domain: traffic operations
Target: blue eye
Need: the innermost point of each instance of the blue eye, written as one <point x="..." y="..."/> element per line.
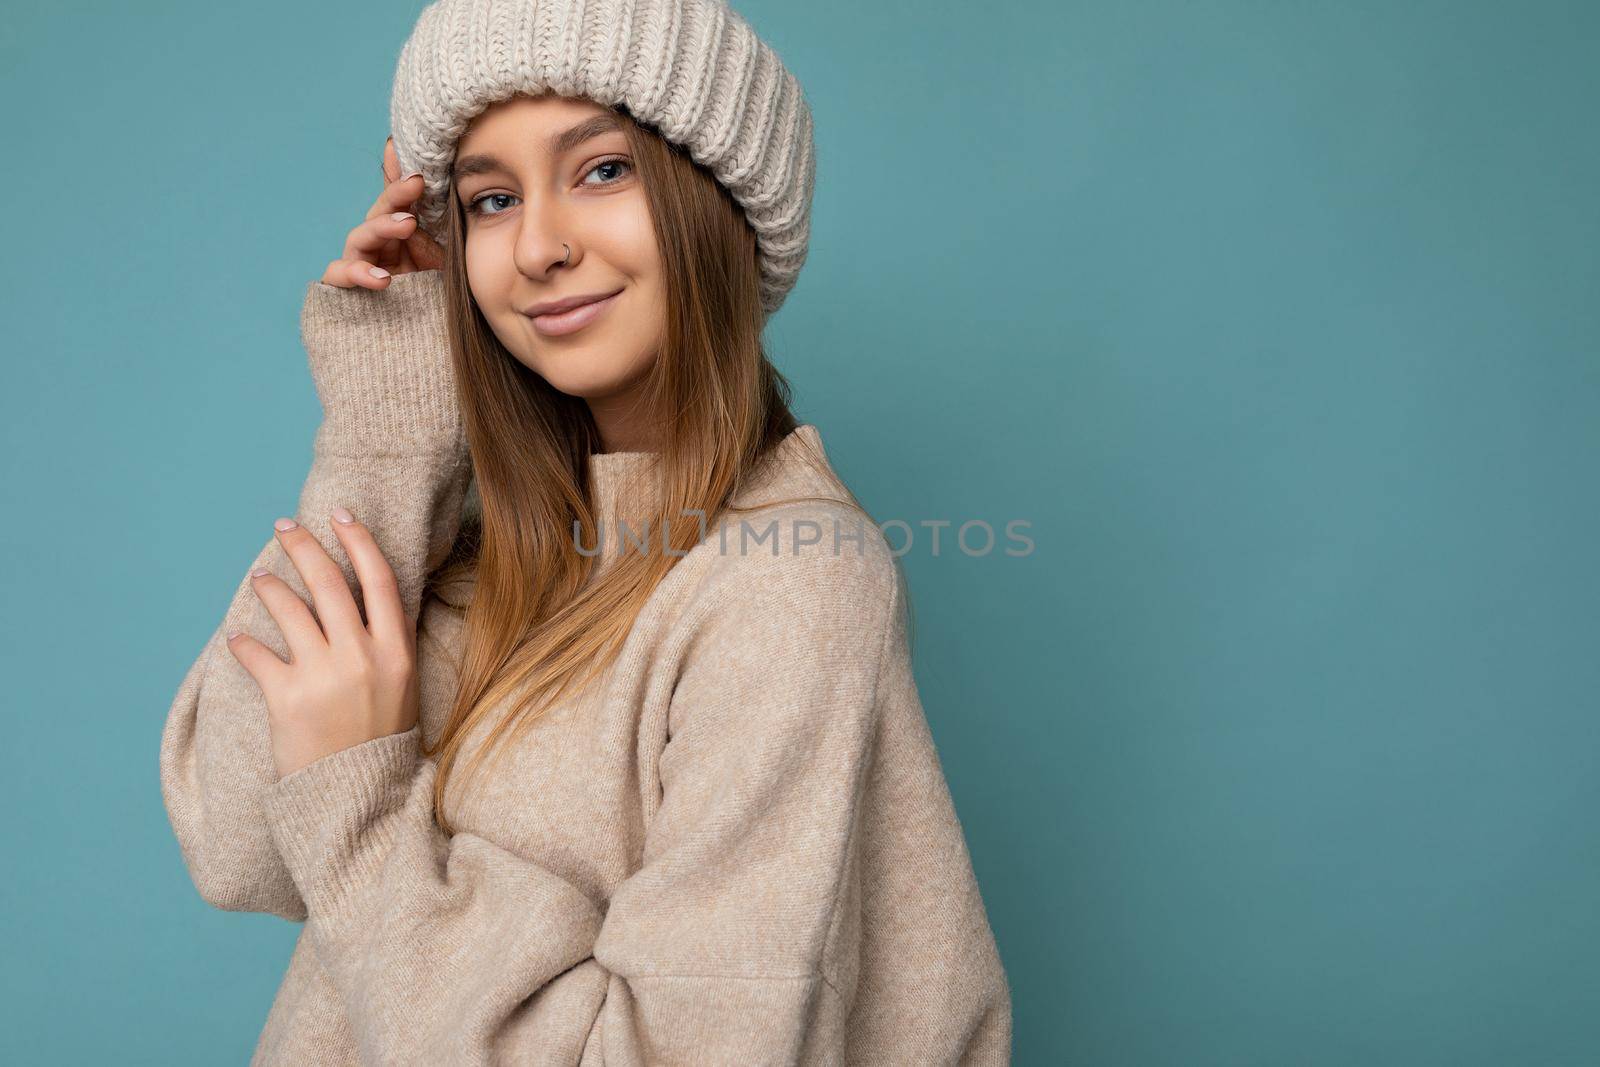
<point x="610" y="163"/>
<point x="474" y="208"/>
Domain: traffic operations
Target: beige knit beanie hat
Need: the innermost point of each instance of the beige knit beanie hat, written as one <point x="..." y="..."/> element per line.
<point x="691" y="69"/>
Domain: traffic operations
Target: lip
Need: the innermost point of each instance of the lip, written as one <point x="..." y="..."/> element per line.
<point x="559" y="317"/>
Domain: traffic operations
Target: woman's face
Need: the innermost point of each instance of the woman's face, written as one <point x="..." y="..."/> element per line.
<point x="532" y="175"/>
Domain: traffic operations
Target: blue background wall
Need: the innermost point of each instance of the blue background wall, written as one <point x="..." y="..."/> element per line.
<point x="1278" y="321"/>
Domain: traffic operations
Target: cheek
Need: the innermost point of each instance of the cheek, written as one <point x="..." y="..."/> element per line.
<point x="487" y="267"/>
<point x="634" y="243"/>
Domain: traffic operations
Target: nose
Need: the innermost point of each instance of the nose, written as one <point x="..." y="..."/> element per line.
<point x="542" y="245"/>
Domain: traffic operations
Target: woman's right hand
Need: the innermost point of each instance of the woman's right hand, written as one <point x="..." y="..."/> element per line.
<point x="385" y="245"/>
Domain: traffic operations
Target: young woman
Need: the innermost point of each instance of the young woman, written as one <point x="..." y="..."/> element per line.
<point x="574" y="713"/>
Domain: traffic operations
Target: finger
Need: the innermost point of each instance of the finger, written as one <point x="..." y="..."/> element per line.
<point x="378" y="234"/>
<point x="391" y="168"/>
<point x="355" y="273"/>
<point x="380" y="240"/>
<point x="380" y="592"/>
<point x="295" y="621"/>
<point x="397" y="195"/>
<point x="329" y="589"/>
<point x="260" y="661"/>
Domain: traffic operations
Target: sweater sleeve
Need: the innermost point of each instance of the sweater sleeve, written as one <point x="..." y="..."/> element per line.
<point x="391" y="449"/>
<point x="734" y="940"/>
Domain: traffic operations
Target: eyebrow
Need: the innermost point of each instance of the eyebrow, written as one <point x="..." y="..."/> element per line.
<point x="561" y="143"/>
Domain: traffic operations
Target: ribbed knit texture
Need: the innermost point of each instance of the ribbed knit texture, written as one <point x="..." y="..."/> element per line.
<point x="388" y="388"/>
<point x="737" y="846"/>
<point x="692" y="69"/>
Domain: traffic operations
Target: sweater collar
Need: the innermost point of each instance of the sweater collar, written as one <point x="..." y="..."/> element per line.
<point x="622" y="484"/>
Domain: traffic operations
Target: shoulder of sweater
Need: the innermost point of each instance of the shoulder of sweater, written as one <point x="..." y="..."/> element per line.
<point x="823" y="561"/>
<point x="824" y="535"/>
<point x="773" y="618"/>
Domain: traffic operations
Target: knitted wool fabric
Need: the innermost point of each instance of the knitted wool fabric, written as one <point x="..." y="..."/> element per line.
<point x="693" y="70"/>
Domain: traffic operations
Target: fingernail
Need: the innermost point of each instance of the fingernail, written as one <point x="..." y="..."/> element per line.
<point x="343" y="515"/>
<point x="233" y="633"/>
<point x="260" y="572"/>
<point x="284" y="524"/>
<point x="413" y="174"/>
<point x="401" y="216"/>
<point x="378" y="272"/>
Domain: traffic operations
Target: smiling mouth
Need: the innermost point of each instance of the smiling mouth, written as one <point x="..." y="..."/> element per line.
<point x="560" y="323"/>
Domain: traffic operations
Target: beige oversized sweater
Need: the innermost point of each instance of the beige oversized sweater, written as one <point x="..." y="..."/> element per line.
<point x="737" y="846"/>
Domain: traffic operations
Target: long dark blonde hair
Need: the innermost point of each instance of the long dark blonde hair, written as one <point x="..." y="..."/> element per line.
<point x="537" y="628"/>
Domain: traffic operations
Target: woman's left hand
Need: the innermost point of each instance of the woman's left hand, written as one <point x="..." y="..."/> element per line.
<point x="348" y="681"/>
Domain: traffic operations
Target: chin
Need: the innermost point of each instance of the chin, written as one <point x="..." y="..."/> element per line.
<point x="590" y="372"/>
<point x="586" y="367"/>
<point x="591" y="386"/>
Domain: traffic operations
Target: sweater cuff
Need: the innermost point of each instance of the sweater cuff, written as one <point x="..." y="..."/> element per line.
<point x="380" y="359"/>
<point x="329" y="817"/>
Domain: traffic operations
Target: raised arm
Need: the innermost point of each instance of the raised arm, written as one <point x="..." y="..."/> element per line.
<point x="733" y="943"/>
<point x="391" y="449"/>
